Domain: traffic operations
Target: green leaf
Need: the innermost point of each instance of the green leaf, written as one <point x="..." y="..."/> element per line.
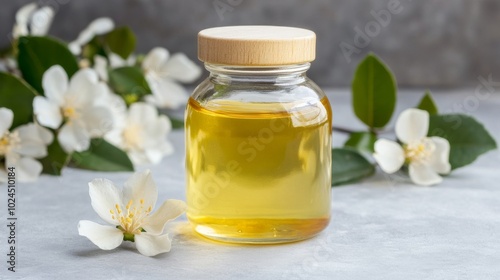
<point x="129" y="82"/>
<point x="56" y="159"/>
<point x="176" y="123"/>
<point x="468" y="138"/>
<point x="349" y="166"/>
<point x="121" y="41"/>
<point x="37" y="54"/>
<point x="17" y="95"/>
<point x="373" y="92"/>
<point x="362" y="141"/>
<point x="102" y="156"/>
<point x="427" y="103"/>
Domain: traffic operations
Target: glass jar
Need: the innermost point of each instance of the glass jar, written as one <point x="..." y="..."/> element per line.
<point x="258" y="138"/>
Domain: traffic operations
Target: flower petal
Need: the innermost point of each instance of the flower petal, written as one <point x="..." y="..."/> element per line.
<point x="389" y="155"/>
<point x="157" y="129"/>
<point x="179" y="67"/>
<point x="83" y="38"/>
<point x="116" y="61"/>
<point x="151" y="245"/>
<point x="155" y="59"/>
<point x="142" y="113"/>
<point x="82" y="86"/>
<point x="105" y="196"/>
<point x="44" y="134"/>
<point x="105" y="237"/>
<point x="47" y="113"/>
<point x="156" y="145"/>
<point x="27" y="169"/>
<point x="23" y="15"/>
<point x="6" y="118"/>
<point x="55" y="84"/>
<point x="97" y="27"/>
<point x="75" y="47"/>
<point x="422" y="174"/>
<point x="101" y="67"/>
<point x="138" y="157"/>
<point x="166" y="93"/>
<point x="33" y="140"/>
<point x="140" y="186"/>
<point x="73" y="137"/>
<point x="98" y="120"/>
<point x="101" y="26"/>
<point x="156" y="154"/>
<point x="117" y="107"/>
<point x="412" y="125"/>
<point x="440" y="159"/>
<point x="169" y="210"/>
<point x="41" y="21"/>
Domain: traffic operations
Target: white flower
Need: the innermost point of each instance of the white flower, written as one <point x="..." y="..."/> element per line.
<point x="115" y="61"/>
<point x="99" y="26"/>
<point x="32" y="21"/>
<point x="142" y="134"/>
<point x="115" y="104"/>
<point x="73" y="104"/>
<point x="20" y="146"/>
<point x="162" y="73"/>
<point x="129" y="211"/>
<point x="427" y="157"/>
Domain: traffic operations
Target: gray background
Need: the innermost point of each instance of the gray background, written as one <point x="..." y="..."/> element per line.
<point x="434" y="44"/>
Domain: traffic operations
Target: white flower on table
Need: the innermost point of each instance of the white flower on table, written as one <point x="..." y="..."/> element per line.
<point x="427" y="157"/>
<point x="163" y="72"/>
<point x="129" y="211"/>
<point x="73" y="104"/>
<point x="31" y="20"/>
<point x="142" y="134"/>
<point x="21" y="146"/>
<point x="98" y="26"/>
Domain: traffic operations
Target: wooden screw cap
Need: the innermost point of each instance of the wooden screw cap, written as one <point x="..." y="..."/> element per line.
<point x="256" y="45"/>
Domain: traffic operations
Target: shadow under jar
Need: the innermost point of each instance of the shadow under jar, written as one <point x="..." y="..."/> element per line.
<point x="258" y="138"/>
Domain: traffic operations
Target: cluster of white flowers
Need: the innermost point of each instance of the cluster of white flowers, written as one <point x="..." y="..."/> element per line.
<point x="163" y="71"/>
<point x="83" y="107"/>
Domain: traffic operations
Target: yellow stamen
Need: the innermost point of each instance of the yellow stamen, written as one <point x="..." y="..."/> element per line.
<point x="118" y="208"/>
<point x="132" y="219"/>
<point x="69" y="112"/>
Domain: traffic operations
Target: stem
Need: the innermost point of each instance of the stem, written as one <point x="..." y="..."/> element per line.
<point x="349" y="131"/>
<point x="343" y="130"/>
<point x="128" y="237"/>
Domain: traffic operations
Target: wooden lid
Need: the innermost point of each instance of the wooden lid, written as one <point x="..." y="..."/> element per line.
<point x="256" y="45"/>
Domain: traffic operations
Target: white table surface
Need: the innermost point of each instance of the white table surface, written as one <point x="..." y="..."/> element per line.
<point x="381" y="228"/>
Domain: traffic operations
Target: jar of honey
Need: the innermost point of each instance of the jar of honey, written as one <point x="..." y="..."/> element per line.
<point x="258" y="138"/>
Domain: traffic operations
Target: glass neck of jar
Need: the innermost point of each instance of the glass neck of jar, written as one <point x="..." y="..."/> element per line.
<point x="275" y="75"/>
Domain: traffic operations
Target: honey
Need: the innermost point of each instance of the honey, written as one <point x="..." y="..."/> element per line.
<point x="258" y="172"/>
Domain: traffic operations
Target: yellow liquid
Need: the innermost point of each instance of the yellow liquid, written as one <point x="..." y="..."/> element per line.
<point x="258" y="172"/>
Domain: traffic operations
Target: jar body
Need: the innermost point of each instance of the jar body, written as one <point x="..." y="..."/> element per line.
<point x="258" y="155"/>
